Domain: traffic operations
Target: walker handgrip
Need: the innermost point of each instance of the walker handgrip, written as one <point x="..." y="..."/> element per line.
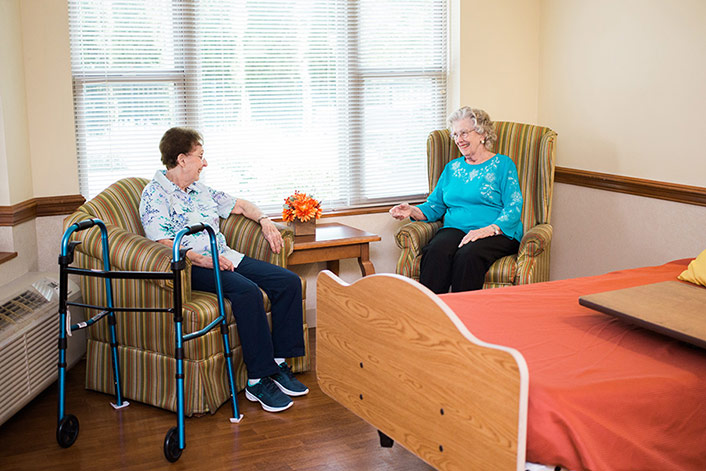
<point x="176" y="251"/>
<point x="195" y="228"/>
<point x="85" y="224"/>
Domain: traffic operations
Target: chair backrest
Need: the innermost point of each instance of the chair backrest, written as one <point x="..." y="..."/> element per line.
<point x="532" y="148"/>
<point x="119" y="204"/>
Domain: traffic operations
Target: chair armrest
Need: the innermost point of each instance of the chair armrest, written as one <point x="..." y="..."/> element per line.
<point x="534" y="242"/>
<point x="411" y="238"/>
<point x="133" y="252"/>
<point x="416" y="234"/>
<point x="245" y="236"/>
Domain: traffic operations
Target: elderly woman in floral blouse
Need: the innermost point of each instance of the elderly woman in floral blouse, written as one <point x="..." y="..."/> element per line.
<point x="175" y="199"/>
<point x="478" y="196"/>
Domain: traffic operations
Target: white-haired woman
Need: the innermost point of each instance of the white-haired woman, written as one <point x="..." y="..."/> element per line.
<point x="478" y="196"/>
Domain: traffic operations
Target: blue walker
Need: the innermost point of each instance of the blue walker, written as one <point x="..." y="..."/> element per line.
<point x="67" y="425"/>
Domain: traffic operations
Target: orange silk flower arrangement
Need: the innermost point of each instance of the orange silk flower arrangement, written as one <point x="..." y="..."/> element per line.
<point x="301" y="206"/>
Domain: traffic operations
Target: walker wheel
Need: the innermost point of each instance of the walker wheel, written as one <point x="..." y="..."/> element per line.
<point x="67" y="431"/>
<point x="171" y="445"/>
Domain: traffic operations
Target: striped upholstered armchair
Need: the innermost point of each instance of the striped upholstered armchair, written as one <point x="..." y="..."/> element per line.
<point x="146" y="339"/>
<point x="532" y="149"/>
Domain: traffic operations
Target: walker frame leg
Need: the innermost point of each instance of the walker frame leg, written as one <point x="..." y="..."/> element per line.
<point x="67" y="426"/>
<point x="237" y="417"/>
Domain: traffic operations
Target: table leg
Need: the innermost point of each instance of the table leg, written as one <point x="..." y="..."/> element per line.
<point x="333" y="265"/>
<point x="366" y="266"/>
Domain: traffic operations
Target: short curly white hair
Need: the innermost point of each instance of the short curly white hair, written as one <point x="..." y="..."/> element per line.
<point x="483" y="125"/>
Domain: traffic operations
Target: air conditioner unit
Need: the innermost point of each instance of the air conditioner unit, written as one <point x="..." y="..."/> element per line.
<point x="29" y="329"/>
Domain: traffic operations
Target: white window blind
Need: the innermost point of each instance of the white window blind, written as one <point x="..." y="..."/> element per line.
<point x="330" y="97"/>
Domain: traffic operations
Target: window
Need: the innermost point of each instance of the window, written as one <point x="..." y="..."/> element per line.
<point x="329" y="97"/>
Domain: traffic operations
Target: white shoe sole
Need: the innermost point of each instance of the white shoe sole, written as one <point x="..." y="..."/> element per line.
<point x="251" y="397"/>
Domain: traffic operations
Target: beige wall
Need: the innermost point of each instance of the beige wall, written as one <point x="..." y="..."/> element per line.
<point x="495" y="60"/>
<point x="622" y="82"/>
<point x="599" y="231"/>
<point x="47" y="60"/>
<point x="15" y="174"/>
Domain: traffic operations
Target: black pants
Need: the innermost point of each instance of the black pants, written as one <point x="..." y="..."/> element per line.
<point x="242" y="288"/>
<point x="463" y="269"/>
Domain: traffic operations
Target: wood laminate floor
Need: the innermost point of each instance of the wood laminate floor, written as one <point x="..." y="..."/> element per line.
<point x="316" y="434"/>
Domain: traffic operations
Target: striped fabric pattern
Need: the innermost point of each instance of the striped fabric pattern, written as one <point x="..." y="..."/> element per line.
<point x="411" y="238"/>
<point x="147" y="339"/>
<point x="533" y="256"/>
<point x="148" y="377"/>
<point x="119" y="204"/>
<point x="533" y="149"/>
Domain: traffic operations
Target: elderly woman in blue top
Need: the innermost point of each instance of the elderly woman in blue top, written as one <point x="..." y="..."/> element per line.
<point x="175" y="199"/>
<point x="478" y="196"/>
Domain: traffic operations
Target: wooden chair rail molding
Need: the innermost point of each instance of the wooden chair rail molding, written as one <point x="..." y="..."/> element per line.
<point x="57" y="205"/>
<point x="632" y="186"/>
<point x="39" y="207"/>
<point x="5" y="256"/>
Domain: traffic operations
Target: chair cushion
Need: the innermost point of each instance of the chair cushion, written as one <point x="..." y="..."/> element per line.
<point x="502" y="272"/>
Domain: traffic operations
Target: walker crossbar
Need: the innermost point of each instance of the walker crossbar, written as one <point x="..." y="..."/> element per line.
<point x="123" y="309"/>
<point x="89" y="322"/>
<point x="174" y="442"/>
<point x="133" y="275"/>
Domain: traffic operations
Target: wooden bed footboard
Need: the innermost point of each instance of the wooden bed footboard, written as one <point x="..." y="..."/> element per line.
<point x="394" y="354"/>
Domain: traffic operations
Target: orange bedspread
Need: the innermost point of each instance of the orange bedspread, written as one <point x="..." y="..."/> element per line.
<point x="603" y="394"/>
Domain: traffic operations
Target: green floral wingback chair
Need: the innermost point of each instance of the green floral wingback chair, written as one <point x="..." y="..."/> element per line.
<point x="146" y="339"/>
<point x="532" y="148"/>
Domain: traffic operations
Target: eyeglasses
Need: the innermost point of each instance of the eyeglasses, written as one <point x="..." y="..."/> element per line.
<point x="200" y="156"/>
<point x="461" y="134"/>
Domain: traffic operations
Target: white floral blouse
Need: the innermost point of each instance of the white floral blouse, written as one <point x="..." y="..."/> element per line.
<point x="165" y="209"/>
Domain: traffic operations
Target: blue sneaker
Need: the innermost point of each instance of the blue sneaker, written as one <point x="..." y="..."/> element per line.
<point x="268" y="395"/>
<point x="287" y="383"/>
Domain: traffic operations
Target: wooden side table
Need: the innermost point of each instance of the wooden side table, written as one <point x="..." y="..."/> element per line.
<point x="331" y="243"/>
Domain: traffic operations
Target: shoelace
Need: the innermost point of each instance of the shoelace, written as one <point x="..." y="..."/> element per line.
<point x="287" y="371"/>
<point x="269" y="386"/>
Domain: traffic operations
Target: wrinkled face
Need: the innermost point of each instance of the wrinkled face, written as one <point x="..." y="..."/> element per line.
<point x="193" y="162"/>
<point x="465" y="136"/>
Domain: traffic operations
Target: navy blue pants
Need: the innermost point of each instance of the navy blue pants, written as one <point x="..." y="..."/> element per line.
<point x="242" y="288"/>
<point x="463" y="269"/>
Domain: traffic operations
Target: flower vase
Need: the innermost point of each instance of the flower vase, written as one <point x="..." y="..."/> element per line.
<point x="304" y="228"/>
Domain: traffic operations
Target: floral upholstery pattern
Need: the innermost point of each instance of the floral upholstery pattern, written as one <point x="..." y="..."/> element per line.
<point x="146" y="339"/>
<point x="533" y="149"/>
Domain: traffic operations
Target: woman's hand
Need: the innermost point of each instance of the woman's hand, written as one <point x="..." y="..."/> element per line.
<point x="203" y="261"/>
<point x="405" y="210"/>
<point x="401" y="211"/>
<point x="475" y="234"/>
<point x="206" y="261"/>
<point x="272" y="235"/>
